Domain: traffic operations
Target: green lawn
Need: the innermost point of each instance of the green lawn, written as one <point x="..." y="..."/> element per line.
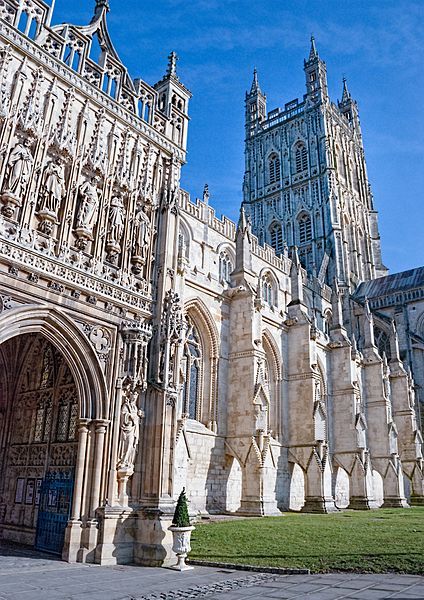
<point x="369" y="541"/>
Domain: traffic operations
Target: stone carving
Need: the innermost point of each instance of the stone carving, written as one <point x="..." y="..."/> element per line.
<point x="52" y="191"/>
<point x="171" y="336"/>
<point x="141" y="239"/>
<point x="87" y="212"/>
<point x="19" y="167"/>
<point x="115" y="228"/>
<point x="129" y="428"/>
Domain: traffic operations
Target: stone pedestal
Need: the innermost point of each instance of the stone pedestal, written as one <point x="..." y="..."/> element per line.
<point x="153" y="539"/>
<point x="116" y="536"/>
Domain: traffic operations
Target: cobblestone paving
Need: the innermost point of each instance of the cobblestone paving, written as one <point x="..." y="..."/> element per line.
<point x="204" y="591"/>
<point x="29" y="575"/>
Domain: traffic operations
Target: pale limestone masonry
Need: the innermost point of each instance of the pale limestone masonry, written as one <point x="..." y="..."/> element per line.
<point x="147" y="345"/>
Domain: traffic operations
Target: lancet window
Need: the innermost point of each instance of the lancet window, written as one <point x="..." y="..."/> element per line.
<point x="301" y="158"/>
<point x="193" y="372"/>
<point x="305" y="229"/>
<point x="268" y="291"/>
<point x="225" y="267"/>
<point x="276" y="234"/>
<point x="274" y="168"/>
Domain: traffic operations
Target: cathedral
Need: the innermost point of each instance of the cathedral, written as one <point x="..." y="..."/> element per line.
<point x="147" y="345"/>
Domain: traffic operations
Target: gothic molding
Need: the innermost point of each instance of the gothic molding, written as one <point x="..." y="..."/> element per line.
<point x="65" y="335"/>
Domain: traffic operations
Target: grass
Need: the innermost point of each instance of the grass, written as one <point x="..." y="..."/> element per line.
<point x="366" y="541"/>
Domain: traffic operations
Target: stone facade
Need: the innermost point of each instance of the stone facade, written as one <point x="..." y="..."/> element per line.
<point x="149" y="346"/>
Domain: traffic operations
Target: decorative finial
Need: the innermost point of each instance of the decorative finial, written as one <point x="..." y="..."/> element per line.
<point x="103" y="4"/>
<point x="172" y="65"/>
<point x="206" y="195"/>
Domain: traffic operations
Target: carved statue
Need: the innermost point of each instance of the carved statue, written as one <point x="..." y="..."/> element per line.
<point x="89" y="205"/>
<point x="141" y="235"/>
<point x="129" y="429"/>
<point x="19" y="168"/>
<point x="116" y="221"/>
<point x="53" y="187"/>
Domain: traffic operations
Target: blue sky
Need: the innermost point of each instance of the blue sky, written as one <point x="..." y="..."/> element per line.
<point x="377" y="44"/>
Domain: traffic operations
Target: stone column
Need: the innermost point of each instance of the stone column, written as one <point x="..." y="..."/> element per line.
<point x="100" y="432"/>
<point x="72" y="544"/>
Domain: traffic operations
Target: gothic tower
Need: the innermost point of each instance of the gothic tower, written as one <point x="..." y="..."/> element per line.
<point x="306" y="183"/>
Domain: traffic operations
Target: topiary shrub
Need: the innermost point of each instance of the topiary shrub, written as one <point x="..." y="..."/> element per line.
<point x="181" y="518"/>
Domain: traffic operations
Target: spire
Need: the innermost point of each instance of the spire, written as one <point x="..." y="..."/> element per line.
<point x="172" y="65"/>
<point x="346" y="94"/>
<point x="313" y="52"/>
<point x="255" y="83"/>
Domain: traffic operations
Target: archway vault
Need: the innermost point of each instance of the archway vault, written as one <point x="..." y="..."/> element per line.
<point x="65" y="335"/>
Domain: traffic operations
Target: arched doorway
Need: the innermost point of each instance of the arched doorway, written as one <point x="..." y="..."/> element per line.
<point x="39" y="409"/>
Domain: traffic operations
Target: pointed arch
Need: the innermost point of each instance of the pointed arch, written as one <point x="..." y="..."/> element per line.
<point x="198" y="313"/>
<point x="273" y="357"/>
<point x="65" y="335"/>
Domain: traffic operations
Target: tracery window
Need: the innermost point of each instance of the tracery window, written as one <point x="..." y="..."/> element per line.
<point x="276" y="233"/>
<point x="305" y="229"/>
<point x="301" y="158"/>
<point x="225" y="267"/>
<point x="267" y="289"/>
<point x="274" y="168"/>
<point x="193" y="366"/>
<point x="382" y="341"/>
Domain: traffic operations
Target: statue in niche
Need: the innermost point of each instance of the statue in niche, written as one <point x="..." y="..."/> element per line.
<point x="53" y="187"/>
<point x="140" y="240"/>
<point x="19" y="167"/>
<point x="115" y="228"/>
<point x="129" y="429"/>
<point x="87" y="212"/>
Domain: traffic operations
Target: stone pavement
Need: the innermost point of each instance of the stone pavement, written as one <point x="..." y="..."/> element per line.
<point x="29" y="575"/>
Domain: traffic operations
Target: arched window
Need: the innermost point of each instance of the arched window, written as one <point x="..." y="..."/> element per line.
<point x="192" y="372"/>
<point x="301" y="158"/>
<point x="276" y="234"/>
<point x="305" y="229"/>
<point x="382" y="342"/>
<point x="274" y="168"/>
<point x="183" y="242"/>
<point x="268" y="289"/>
<point x="225" y="267"/>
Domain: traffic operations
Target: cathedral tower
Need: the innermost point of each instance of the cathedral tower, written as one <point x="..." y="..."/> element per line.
<point x="306" y="183"/>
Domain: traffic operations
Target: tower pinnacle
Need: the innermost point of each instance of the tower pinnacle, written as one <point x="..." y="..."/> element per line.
<point x="102" y="4"/>
<point x="313" y="52"/>
<point x="172" y="65"/>
<point x="255" y="83"/>
<point x="346" y="94"/>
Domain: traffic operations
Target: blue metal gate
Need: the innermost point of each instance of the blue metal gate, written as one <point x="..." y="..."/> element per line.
<point x="54" y="511"/>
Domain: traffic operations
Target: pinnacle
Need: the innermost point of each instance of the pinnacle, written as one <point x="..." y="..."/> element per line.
<point x="313" y="52"/>
<point x="103" y="4"/>
<point x="172" y="64"/>
<point x="346" y="94"/>
<point x="255" y="83"/>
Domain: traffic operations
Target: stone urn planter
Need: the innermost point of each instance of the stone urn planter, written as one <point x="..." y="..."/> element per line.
<point x="181" y="532"/>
